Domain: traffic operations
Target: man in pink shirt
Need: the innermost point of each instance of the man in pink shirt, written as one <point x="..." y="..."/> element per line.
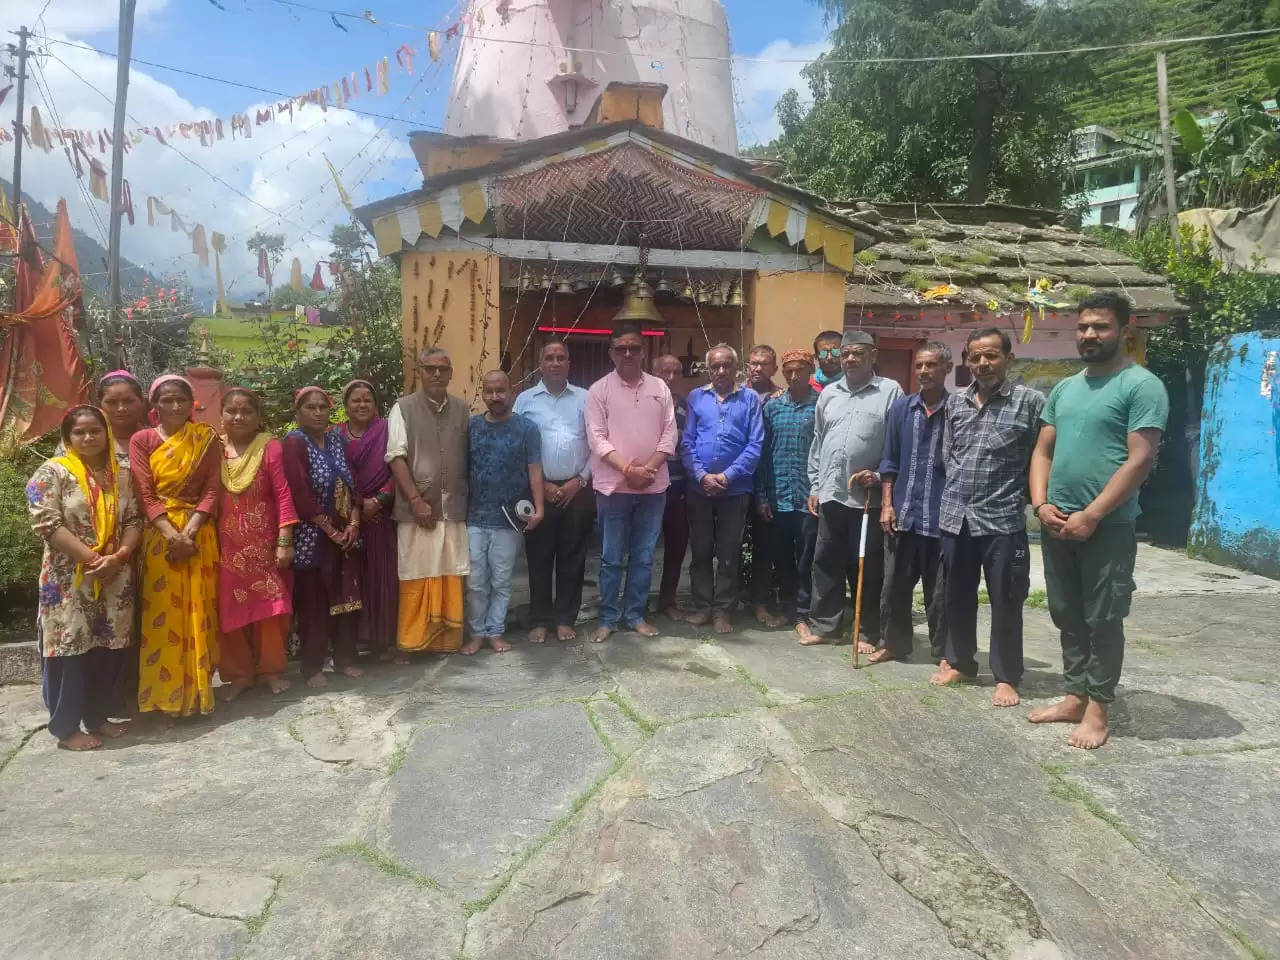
<point x="631" y="429"/>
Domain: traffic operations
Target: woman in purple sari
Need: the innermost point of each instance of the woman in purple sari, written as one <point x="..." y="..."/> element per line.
<point x="365" y="437"/>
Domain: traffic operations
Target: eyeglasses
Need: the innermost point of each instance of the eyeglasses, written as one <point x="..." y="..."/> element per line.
<point x="828" y="353"/>
<point x="629" y="350"/>
<point x="857" y="353"/>
<point x="435" y="370"/>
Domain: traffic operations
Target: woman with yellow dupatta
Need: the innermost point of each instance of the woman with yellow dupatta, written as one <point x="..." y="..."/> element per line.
<point x="176" y="468"/>
<point x="82" y="505"/>
<point x="255" y="535"/>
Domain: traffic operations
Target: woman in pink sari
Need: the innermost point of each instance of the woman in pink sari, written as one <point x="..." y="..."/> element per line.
<point x="365" y="437"/>
<point x="255" y="533"/>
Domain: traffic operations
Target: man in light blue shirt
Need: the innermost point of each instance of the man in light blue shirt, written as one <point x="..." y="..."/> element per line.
<point x="557" y="548"/>
<point x="723" y="435"/>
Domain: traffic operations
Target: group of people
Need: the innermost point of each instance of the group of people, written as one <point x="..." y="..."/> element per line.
<point x="401" y="534"/>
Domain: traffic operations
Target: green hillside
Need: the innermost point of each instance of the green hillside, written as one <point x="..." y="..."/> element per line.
<point x="241" y="336"/>
<point x="1202" y="76"/>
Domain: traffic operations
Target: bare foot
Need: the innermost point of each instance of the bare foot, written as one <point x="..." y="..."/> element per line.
<point x="881" y="655"/>
<point x="471" y="646"/>
<point x="278" y="685"/>
<point x="387" y="655"/>
<point x="112" y="730"/>
<point x="228" y="692"/>
<point x="352" y="671"/>
<point x="698" y="618"/>
<point x="767" y="619"/>
<point x="646" y="629"/>
<point x="807" y="637"/>
<point x="79" y="742"/>
<point x="401" y="659"/>
<point x="538" y="635"/>
<point x="566" y="633"/>
<point x="672" y="612"/>
<point x="601" y="634"/>
<point x="1070" y="709"/>
<point x="317" y="681"/>
<point x="865" y="648"/>
<point x="499" y="644"/>
<point x="1006" y="695"/>
<point x="1093" y="730"/>
<point x="722" y="624"/>
<point x="946" y="675"/>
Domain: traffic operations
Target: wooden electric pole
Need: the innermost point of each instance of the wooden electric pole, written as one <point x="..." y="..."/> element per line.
<point x="1166" y="141"/>
<point x="124" y="46"/>
<point x="19" y="73"/>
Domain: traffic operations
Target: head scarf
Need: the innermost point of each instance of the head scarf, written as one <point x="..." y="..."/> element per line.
<point x="159" y="382"/>
<point x="346" y="391"/>
<point x="103" y="500"/>
<point x="798" y="356"/>
<point x="119" y="374"/>
<point x="301" y="393"/>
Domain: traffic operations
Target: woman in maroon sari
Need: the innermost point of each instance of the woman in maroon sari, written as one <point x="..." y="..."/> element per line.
<point x="365" y="437"/>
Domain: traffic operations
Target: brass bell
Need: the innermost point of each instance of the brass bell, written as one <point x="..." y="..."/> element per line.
<point x="547" y="279"/>
<point x="637" y="305"/>
<point x="663" y="289"/>
<point x="702" y="296"/>
<point x="717" y="294"/>
<point x="581" y="285"/>
<point x="564" y="286"/>
<point x="736" y="299"/>
<point x="686" y="292"/>
<point x="616" y="279"/>
<point x="526" y="281"/>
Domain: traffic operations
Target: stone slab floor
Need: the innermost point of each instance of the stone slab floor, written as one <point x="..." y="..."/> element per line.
<point x="686" y="797"/>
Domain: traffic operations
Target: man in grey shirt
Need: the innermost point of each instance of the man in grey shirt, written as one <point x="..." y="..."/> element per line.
<point x="848" y="440"/>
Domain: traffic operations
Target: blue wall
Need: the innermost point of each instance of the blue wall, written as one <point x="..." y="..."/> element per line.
<point x="1237" y="514"/>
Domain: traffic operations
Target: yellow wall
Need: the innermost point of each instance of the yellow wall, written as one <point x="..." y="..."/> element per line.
<point x="787" y="310"/>
<point x="450" y="300"/>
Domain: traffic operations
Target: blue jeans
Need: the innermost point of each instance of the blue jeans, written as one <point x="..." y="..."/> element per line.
<point x="629" y="528"/>
<point x="493" y="557"/>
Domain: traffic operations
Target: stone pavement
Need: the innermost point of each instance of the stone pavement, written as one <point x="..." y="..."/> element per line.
<point x="686" y="797"/>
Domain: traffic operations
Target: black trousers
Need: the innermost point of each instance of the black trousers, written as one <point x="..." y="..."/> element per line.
<point x="1004" y="560"/>
<point x="792" y="536"/>
<point x="557" y="553"/>
<point x="761" y="589"/>
<point x="82" y="689"/>
<point x="910" y="558"/>
<point x="835" y="562"/>
<point x="715" y="532"/>
<point x="675" y="543"/>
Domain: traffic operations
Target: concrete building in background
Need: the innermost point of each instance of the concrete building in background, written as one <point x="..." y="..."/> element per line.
<point x="538" y="68"/>
<point x="1110" y="171"/>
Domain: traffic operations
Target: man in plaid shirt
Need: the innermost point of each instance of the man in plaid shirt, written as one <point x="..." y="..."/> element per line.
<point x="989" y="432"/>
<point x="782" y="486"/>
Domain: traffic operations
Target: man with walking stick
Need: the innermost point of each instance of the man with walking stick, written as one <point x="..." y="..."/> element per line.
<point x="848" y="439"/>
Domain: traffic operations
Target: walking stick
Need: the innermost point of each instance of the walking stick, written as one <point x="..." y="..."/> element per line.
<point x="862" y="558"/>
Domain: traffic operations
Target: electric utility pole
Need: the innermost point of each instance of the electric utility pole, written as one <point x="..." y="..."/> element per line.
<point x="1166" y="139"/>
<point x="20" y="74"/>
<point x="124" y="45"/>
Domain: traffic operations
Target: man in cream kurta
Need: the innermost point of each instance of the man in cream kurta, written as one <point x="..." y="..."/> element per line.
<point x="427" y="453"/>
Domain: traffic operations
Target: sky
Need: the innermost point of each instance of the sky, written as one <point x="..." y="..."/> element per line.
<point x="277" y="181"/>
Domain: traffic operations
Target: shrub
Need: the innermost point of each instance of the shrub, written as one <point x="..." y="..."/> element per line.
<point x="20" y="558"/>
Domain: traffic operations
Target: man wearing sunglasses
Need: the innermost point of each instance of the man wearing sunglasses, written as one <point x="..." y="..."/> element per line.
<point x="631" y="430"/>
<point x="826" y="351"/>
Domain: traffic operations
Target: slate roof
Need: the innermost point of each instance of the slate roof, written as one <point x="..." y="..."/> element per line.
<point x="989" y="253"/>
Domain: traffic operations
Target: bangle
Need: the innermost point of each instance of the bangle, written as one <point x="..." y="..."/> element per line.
<point x="284" y="541"/>
<point x="1035" y="510"/>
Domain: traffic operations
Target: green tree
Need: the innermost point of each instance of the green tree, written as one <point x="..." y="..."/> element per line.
<point x="286" y="298"/>
<point x="966" y="129"/>
<point x="350" y="242"/>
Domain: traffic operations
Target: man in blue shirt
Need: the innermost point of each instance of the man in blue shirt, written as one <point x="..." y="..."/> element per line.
<point x="782" y="485"/>
<point x="721" y="445"/>
<point x="911" y="479"/>
<point x="557" y="547"/>
<point x="504" y="453"/>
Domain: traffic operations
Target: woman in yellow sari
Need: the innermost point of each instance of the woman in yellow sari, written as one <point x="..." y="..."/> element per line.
<point x="176" y="468"/>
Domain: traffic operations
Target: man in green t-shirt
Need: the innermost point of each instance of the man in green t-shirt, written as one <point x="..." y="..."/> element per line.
<point x="1101" y="430"/>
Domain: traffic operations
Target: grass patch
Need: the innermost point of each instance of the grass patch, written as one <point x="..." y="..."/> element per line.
<point x="918" y="243"/>
<point x="867" y="257"/>
<point x="603" y="737"/>
<point x="293" y="729"/>
<point x="381" y="862"/>
<point x="1076" y="292"/>
<point x="916" y="280"/>
<point x="754" y="682"/>
<point x="472" y="907"/>
<point x="1234" y="748"/>
<point x="1246" y="942"/>
<point x="631" y="713"/>
<point x="255" y="924"/>
<point x="396" y="760"/>
<point x="1064" y="790"/>
<point x="930" y="700"/>
<point x="979" y="259"/>
<point x="1037" y="599"/>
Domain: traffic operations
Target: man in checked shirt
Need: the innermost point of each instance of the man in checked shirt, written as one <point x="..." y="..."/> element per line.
<point x="989" y="431"/>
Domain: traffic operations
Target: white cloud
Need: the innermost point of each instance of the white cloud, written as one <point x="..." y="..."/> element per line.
<point x="759" y="84"/>
<point x="281" y="168"/>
